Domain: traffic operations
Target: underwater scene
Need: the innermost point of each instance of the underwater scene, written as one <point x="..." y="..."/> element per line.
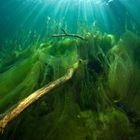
<point x="70" y="70"/>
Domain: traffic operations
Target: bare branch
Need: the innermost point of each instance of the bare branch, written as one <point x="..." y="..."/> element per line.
<point x="68" y="35"/>
<point x="64" y="31"/>
<point x="11" y="115"/>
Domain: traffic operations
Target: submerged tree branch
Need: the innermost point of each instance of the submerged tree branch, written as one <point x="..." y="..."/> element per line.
<point x="68" y="35"/>
<point x="11" y="115"/>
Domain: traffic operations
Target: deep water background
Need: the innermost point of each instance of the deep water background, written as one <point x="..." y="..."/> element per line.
<point x="34" y="15"/>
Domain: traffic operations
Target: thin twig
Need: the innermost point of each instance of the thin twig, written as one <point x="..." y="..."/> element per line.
<point x="12" y="114"/>
<point x="68" y="35"/>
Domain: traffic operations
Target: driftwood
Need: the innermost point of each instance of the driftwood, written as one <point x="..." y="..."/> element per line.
<point x="21" y="106"/>
<point x="65" y="34"/>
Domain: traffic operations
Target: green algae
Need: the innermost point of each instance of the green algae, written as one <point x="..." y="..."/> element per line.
<point x="101" y="102"/>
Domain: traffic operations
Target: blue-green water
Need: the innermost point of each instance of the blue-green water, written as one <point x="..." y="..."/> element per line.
<point x="42" y="40"/>
<point x="110" y="16"/>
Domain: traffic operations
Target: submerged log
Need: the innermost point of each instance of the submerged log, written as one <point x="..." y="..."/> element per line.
<point x="25" y="103"/>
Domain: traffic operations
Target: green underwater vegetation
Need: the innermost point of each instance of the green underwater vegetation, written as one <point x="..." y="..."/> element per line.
<point x="100" y="102"/>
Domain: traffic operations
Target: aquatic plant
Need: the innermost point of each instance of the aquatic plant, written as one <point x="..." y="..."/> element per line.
<point x="92" y="103"/>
